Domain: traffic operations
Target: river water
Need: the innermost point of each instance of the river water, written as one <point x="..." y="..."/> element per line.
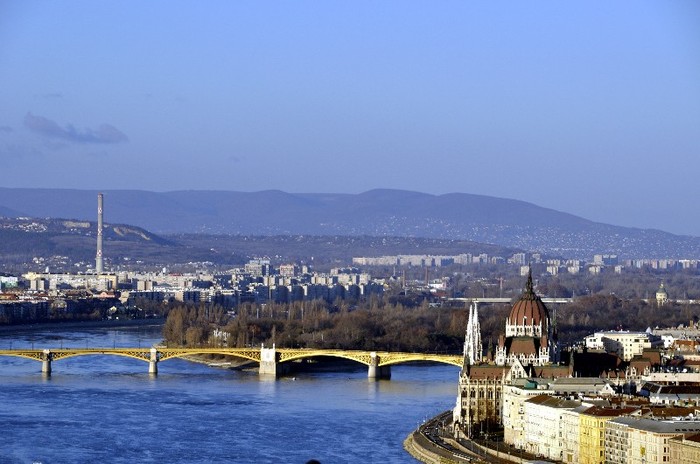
<point x="107" y="409"/>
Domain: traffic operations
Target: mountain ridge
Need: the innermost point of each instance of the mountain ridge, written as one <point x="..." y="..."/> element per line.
<point x="379" y="212"/>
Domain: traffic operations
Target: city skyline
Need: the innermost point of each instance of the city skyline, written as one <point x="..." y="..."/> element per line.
<point x="590" y="109"/>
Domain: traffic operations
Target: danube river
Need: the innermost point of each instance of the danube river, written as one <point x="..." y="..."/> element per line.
<point x="107" y="409"/>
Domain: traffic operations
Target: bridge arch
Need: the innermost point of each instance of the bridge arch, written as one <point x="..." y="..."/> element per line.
<point x="144" y="356"/>
<point x="365" y="357"/>
<point x="286" y="355"/>
<point x="242" y="353"/>
<point x="400" y="358"/>
<point x="18" y="354"/>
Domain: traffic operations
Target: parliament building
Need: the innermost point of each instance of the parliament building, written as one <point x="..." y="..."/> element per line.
<point x="528" y="349"/>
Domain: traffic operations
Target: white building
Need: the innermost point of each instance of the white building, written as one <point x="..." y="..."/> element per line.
<point x="8" y="281"/>
<point x="624" y="344"/>
<point x="544" y="425"/>
<point x="514" y="397"/>
<point x="570" y="430"/>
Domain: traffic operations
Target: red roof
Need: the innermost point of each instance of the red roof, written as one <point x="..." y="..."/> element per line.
<point x="487" y="371"/>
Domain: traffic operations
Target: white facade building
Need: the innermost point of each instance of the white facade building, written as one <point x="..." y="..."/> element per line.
<point x="570" y="430"/>
<point x="514" y="397"/>
<point x="544" y="425"/>
<point x="624" y="344"/>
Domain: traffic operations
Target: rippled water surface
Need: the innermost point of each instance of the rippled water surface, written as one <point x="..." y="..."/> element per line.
<point x="96" y="409"/>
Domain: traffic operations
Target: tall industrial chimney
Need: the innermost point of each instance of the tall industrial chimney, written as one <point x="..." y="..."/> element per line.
<point x="98" y="260"/>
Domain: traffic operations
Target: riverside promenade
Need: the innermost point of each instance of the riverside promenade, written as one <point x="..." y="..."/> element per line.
<point x="432" y="443"/>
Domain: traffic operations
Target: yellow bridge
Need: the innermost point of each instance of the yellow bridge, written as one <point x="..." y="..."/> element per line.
<point x="271" y="360"/>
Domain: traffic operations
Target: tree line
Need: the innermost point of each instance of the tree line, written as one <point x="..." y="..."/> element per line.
<point x="372" y="325"/>
<point x="391" y="324"/>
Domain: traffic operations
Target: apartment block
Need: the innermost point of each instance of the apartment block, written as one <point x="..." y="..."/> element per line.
<point x="640" y="440"/>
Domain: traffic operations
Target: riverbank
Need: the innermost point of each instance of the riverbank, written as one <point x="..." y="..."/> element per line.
<point x="424" y="451"/>
<point x="427" y="444"/>
<point x="424" y="448"/>
<point x="72" y="325"/>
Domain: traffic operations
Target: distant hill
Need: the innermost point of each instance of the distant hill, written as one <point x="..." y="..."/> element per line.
<point x="458" y="216"/>
<point x="55" y="226"/>
<point x="24" y="238"/>
<point x="70" y="245"/>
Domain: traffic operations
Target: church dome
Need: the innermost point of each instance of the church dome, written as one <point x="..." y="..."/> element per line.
<point x="661" y="295"/>
<point x="529" y="309"/>
<point x="661" y="290"/>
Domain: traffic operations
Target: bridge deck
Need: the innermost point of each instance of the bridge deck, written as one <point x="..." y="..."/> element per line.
<point x="383" y="358"/>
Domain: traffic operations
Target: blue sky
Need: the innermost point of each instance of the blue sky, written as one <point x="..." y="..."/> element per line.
<point x="592" y="108"/>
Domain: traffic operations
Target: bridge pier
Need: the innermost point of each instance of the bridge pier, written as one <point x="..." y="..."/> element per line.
<point x="375" y="371"/>
<point x="153" y="363"/>
<point x="269" y="363"/>
<point x="46" y="362"/>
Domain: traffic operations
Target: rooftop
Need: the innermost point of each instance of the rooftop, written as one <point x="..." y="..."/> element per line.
<point x="658" y="426"/>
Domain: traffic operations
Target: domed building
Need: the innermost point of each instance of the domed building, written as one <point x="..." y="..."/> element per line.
<point x="530" y="336"/>
<point x="661" y="295"/>
<point x="526" y="350"/>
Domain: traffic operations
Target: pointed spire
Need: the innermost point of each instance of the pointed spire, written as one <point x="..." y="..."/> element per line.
<point x="529" y="293"/>
<point x="472" y="337"/>
<point x="478" y="349"/>
<point x="528" y="285"/>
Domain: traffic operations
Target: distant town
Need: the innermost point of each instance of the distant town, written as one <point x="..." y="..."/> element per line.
<point x="32" y="296"/>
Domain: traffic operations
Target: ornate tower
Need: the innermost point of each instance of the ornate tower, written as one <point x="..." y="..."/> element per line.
<point x="472" y="338"/>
